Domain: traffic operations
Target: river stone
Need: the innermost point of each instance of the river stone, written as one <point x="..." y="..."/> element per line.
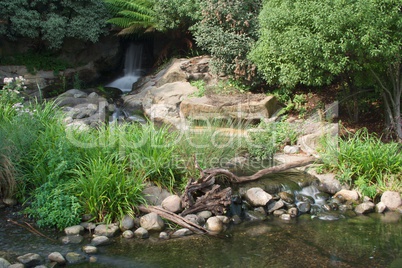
<point x="128" y="234"/>
<point x="74" y="230"/>
<point x="73" y="257"/>
<point x="214" y="225"/>
<point x="57" y="257"/>
<point x="205" y="214"/>
<point x="100" y="240"/>
<point x="291" y="149"/>
<point x="293" y="212"/>
<point x="391" y="199"/>
<point x="279" y="212"/>
<point x="141" y="233"/>
<point x="304" y="207"/>
<point x="380" y="207"/>
<point x="88" y="249"/>
<point x="30" y="259"/>
<point x="274" y="205"/>
<point x="195" y="219"/>
<point x="72" y="239"/>
<point x="172" y="203"/>
<point x="287" y="197"/>
<point x="152" y="222"/>
<point x="348" y="195"/>
<point x="127" y="223"/>
<point x="223" y="219"/>
<point x="154" y="195"/>
<point x="254" y="215"/>
<point x="4" y="263"/>
<point x="90" y="226"/>
<point x="365" y="207"/>
<point x="10" y="202"/>
<point x="16" y="265"/>
<point x="285" y="217"/>
<point x="163" y="235"/>
<point x="182" y="232"/>
<point x="257" y="196"/>
<point x="109" y="230"/>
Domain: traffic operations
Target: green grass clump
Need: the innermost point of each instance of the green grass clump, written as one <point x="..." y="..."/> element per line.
<point x="364" y="161"/>
<point x="268" y="138"/>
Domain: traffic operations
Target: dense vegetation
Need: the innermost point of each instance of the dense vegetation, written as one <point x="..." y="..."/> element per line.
<point x="354" y="46"/>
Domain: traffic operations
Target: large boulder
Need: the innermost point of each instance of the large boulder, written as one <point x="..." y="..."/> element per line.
<point x="392" y="200"/>
<point x="257" y="196"/>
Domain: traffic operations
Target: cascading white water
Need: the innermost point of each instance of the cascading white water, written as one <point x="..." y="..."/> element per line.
<point x="132" y="69"/>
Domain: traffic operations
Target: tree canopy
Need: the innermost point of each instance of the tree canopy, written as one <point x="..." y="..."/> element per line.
<point x="313" y="42"/>
<point x="49" y="22"/>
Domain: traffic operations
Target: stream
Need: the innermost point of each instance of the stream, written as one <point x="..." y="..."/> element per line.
<point x="373" y="240"/>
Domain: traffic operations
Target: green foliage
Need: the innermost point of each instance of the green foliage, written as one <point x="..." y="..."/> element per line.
<point x="132" y="15"/>
<point x="37" y="61"/>
<point x="54" y="206"/>
<point x="227" y="31"/>
<point x="177" y="14"/>
<point x="107" y="188"/>
<point x="364" y="161"/>
<point x="50" y="22"/>
<point x="200" y="85"/>
<point x="315" y="43"/>
<point x="268" y="138"/>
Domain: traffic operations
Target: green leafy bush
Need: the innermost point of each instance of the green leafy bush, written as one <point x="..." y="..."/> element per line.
<point x="53" y="205"/>
<point x="364" y="161"/>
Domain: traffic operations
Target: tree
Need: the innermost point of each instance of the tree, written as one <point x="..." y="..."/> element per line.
<point x="227" y="31"/>
<point x="314" y="42"/>
<point x="50" y="22"/>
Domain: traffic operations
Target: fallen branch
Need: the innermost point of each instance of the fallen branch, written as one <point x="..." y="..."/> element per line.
<point x="174" y="218"/>
<point x="31" y="229"/>
<point x="211" y="173"/>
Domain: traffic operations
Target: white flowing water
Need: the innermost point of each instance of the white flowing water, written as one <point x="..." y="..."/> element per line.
<point x="132" y="69"/>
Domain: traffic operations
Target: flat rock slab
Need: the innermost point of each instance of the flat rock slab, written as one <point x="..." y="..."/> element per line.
<point x="246" y="107"/>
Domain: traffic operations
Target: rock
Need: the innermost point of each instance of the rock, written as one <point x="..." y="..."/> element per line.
<point x="251" y="215"/>
<point x="182" y="232"/>
<point x="10" y="201"/>
<point x="57" y="257"/>
<point x="73" y="257"/>
<point x="154" y="195"/>
<point x="100" y="240"/>
<point x="285" y="217"/>
<point x="380" y="207"/>
<point x="207" y="108"/>
<point x="127" y="223"/>
<point x="163" y="235"/>
<point x="141" y="233"/>
<point x="30" y="259"/>
<point x="88" y="249"/>
<point x="291" y="149"/>
<point x="4" y="263"/>
<point x="257" y="196"/>
<point x="310" y="143"/>
<point x="274" y="205"/>
<point x="90" y="226"/>
<point x="214" y="225"/>
<point x="348" y="195"/>
<point x="72" y="239"/>
<point x="391" y="199"/>
<point x="128" y="234"/>
<point x="205" y="214"/>
<point x="16" y="265"/>
<point x="74" y="230"/>
<point x="152" y="222"/>
<point x="364" y="208"/>
<point x="172" y="203"/>
<point x="287" y="197"/>
<point x="223" y="219"/>
<point x="304" y="207"/>
<point x="279" y="212"/>
<point x="293" y="212"/>
<point x="108" y="230"/>
<point x="195" y="219"/>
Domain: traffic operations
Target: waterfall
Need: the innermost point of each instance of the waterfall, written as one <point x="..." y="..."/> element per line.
<point x="132" y="68"/>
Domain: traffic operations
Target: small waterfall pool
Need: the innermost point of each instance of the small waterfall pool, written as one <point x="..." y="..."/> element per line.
<point x="132" y="68"/>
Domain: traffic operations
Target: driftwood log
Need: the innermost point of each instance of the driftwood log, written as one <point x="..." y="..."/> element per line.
<point x="206" y="194"/>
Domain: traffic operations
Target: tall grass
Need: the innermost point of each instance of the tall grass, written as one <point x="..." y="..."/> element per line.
<point x="364" y="161"/>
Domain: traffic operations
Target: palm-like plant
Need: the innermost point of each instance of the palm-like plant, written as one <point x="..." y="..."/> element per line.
<point x="132" y="15"/>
